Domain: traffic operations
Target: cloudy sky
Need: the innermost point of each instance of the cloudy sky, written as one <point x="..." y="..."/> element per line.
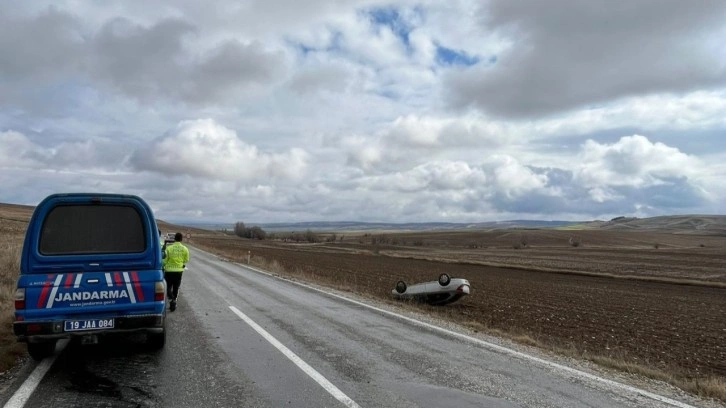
<point x="363" y="110"/>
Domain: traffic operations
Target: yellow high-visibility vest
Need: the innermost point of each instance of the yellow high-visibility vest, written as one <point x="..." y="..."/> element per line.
<point x="177" y="255"/>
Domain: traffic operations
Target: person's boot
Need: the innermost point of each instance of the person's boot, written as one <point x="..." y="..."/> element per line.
<point x="172" y="305"/>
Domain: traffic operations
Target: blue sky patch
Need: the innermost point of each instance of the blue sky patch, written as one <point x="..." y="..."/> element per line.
<point x="448" y="56"/>
<point x="392" y="18"/>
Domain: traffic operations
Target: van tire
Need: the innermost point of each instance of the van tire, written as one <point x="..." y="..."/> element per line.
<point x="156" y="341"/>
<point x="39" y="351"/>
<point x="444" y="279"/>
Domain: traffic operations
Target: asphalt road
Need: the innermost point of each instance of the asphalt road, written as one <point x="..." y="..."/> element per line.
<point x="240" y="338"/>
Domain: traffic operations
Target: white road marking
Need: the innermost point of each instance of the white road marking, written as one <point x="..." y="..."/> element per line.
<point x="327" y="385"/>
<point x="495" y="347"/>
<point x="23" y="393"/>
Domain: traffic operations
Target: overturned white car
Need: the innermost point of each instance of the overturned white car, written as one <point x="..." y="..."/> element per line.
<point x="444" y="291"/>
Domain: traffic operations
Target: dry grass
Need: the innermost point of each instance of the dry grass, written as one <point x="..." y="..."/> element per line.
<point x="712" y="387"/>
<point x="707" y="387"/>
<point x="10" y="246"/>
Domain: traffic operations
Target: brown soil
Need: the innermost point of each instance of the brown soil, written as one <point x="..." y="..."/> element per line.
<point x="676" y="328"/>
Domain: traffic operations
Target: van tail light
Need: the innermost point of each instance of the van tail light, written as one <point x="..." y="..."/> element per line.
<point x="33" y="328"/>
<point x="20" y="299"/>
<point x="159" y="291"/>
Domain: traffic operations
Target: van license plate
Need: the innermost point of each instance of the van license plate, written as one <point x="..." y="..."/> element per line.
<point x="89" y="324"/>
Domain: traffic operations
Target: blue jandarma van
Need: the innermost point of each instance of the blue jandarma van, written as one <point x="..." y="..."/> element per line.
<point x="91" y="265"/>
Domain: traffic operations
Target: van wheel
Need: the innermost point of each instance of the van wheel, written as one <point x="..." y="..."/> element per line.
<point x="39" y="351"/>
<point x="400" y="286"/>
<point x="156" y="341"/>
<point x="444" y="279"/>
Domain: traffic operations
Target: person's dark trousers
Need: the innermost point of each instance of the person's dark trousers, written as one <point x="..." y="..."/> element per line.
<point x="173" y="281"/>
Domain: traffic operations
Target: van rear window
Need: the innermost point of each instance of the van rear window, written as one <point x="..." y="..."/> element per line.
<point x="92" y="229"/>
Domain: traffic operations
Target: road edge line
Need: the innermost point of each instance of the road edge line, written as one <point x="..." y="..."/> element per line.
<point x="26" y="389"/>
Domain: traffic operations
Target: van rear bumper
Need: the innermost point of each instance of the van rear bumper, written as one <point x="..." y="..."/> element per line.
<point x="35" y="331"/>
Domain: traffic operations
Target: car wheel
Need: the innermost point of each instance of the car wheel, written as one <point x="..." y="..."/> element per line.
<point x="444" y="279"/>
<point x="39" y="351"/>
<point x="400" y="286"/>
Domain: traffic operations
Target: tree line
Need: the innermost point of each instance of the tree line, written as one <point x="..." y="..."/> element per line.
<point x="252" y="232"/>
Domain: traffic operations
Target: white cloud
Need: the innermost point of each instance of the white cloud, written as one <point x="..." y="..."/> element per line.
<point x="634" y="161"/>
<point x="514" y="179"/>
<point x="363" y="152"/>
<point x="143" y="61"/>
<point x="456" y="134"/>
<point x="332" y="76"/>
<point x="155" y="61"/>
<point x="691" y="111"/>
<point x="203" y="148"/>
<point x="437" y="132"/>
<point x="97" y="156"/>
<point x="414" y="131"/>
<point x="16" y="150"/>
<point x="54" y="38"/>
<point x="423" y="47"/>
<point x="440" y="176"/>
<point x="372" y="43"/>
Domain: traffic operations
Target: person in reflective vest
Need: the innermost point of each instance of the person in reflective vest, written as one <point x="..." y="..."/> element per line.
<point x="175" y="260"/>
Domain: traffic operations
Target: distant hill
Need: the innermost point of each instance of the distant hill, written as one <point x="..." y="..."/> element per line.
<point x="684" y="224"/>
<point x="15" y="212"/>
<point x="700" y="224"/>
<point x="679" y="224"/>
<point x="377" y="226"/>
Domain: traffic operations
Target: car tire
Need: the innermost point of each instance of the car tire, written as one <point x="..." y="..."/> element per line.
<point x="400" y="286"/>
<point x="444" y="279"/>
<point x="39" y="351"/>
